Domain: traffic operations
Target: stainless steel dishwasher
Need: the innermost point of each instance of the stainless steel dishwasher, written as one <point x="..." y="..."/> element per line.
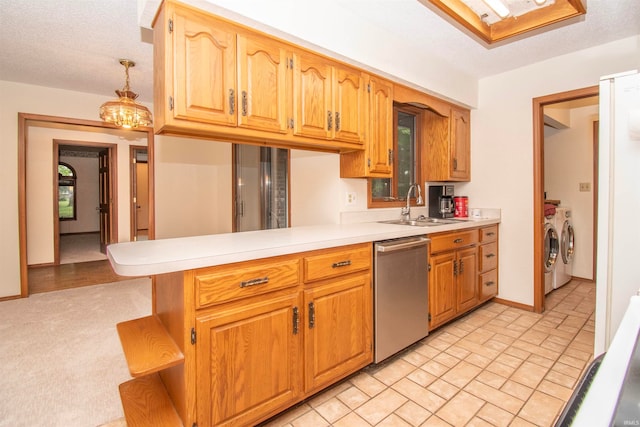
<point x="401" y="305"/>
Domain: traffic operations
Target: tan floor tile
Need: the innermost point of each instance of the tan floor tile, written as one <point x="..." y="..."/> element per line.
<point x="459" y="410"/>
<point x="474" y="347"/>
<point x="435" y="368"/>
<point x="503" y="338"/>
<point x="501" y="369"/>
<point x="478" y="422"/>
<point x="393" y="371"/>
<point x="461" y="374"/>
<point x="480" y="336"/>
<point x="310" y="419"/>
<point x="560" y="379"/>
<point x="381" y="406"/>
<point x="393" y="421"/>
<point x="529" y="374"/>
<point x="478" y="360"/>
<point x="413" y="413"/>
<point x="548" y="344"/>
<point x="542" y="361"/>
<point x="496" y="345"/>
<point x="427" y="351"/>
<point x="333" y="409"/>
<point x="555" y="390"/>
<point x="423" y="397"/>
<point x="534" y="337"/>
<point x="572" y="361"/>
<point x="353" y="397"/>
<point x="534" y="349"/>
<point x="578" y="354"/>
<point x="443" y="389"/>
<point x="434" y="421"/>
<point x="458" y="332"/>
<point x="328" y="394"/>
<point x="496" y="397"/>
<point x="567" y="370"/>
<point x="458" y="352"/>
<point x="491" y="379"/>
<point x="422" y="377"/>
<point x="351" y="420"/>
<point x="290" y="415"/>
<point x="447" y="337"/>
<point x="495" y="416"/>
<point x="440" y="344"/>
<point x="516" y="352"/>
<point x="519" y="422"/>
<point x="518" y="390"/>
<point x="541" y="409"/>
<point x="507" y="359"/>
<point x="446" y="359"/>
<point x="368" y="384"/>
<point x="415" y="358"/>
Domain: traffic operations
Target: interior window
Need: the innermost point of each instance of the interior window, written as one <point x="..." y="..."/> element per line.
<point x="66" y="192"/>
<point x="385" y="192"/>
<point x="261" y="187"/>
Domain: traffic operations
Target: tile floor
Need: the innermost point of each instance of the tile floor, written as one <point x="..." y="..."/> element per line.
<point x="497" y="366"/>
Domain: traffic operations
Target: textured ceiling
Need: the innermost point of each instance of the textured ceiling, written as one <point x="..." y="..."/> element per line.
<point x="76" y="44"/>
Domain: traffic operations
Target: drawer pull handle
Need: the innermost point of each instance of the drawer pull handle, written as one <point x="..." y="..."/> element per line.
<point x="491" y="233"/>
<point x="490" y="283"/>
<point x="254" y="282"/>
<point x="341" y="264"/>
<point x="296" y="320"/>
<point x="490" y="255"/>
<point x="312" y="315"/>
<point x="458" y="240"/>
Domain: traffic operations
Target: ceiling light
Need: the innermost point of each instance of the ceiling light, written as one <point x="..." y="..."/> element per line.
<point x="126" y="112"/>
<point x="540" y="2"/>
<point x="498" y="7"/>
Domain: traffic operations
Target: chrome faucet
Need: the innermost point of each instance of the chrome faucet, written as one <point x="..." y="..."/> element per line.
<point x="406" y="211"/>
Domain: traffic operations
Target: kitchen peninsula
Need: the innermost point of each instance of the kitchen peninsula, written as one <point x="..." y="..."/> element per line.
<point x="245" y="325"/>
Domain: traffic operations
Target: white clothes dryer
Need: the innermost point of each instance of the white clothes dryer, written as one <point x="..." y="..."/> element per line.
<point x="564" y="265"/>
<point x="551" y="247"/>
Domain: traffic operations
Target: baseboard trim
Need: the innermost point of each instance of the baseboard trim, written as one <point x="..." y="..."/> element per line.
<point x="513" y="304"/>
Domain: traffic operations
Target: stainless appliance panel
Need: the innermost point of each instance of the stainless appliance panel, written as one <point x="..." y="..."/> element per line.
<point x="401" y="305"/>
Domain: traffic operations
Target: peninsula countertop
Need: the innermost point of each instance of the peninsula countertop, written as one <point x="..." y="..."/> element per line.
<point x="149" y="257"/>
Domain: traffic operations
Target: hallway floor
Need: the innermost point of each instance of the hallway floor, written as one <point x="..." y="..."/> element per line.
<point x="498" y="366"/>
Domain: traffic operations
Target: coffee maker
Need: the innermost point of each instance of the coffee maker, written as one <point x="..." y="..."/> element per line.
<point x="441" y="201"/>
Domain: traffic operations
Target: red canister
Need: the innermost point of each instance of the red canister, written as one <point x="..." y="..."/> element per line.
<point x="461" y="204"/>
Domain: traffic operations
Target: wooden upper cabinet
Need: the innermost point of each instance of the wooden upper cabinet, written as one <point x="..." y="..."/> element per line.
<point x="204" y="81"/>
<point x="312" y="91"/>
<point x="349" y="105"/>
<point x="460" y="144"/>
<point x="262" y="83"/>
<point x="380" y="142"/>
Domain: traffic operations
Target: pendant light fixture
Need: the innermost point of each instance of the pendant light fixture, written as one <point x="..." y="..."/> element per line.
<point x="125" y="112"/>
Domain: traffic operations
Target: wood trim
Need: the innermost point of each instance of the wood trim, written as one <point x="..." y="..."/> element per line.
<point x="24" y="120"/>
<point x="538" y="183"/>
<point x="596" y="178"/>
<point x="56" y="205"/>
<point x="513" y="304"/>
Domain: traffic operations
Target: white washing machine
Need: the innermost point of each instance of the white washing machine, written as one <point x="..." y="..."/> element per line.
<point x="564" y="264"/>
<point x="551" y="247"/>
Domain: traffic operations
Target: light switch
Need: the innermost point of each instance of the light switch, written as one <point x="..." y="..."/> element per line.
<point x="585" y="186"/>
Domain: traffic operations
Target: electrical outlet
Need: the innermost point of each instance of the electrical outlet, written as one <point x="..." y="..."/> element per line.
<point x="351" y="198"/>
<point x="585" y="186"/>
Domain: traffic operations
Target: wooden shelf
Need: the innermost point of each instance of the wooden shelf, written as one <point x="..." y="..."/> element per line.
<point x="146" y="403"/>
<point x="147" y="346"/>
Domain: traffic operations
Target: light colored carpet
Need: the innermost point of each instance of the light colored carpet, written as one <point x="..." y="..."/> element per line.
<point x="60" y="356"/>
<point x="80" y="248"/>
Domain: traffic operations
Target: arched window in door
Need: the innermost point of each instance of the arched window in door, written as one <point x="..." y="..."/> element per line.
<point x="66" y="192"/>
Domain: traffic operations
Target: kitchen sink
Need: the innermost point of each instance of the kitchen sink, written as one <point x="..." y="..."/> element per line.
<point x="423" y="222"/>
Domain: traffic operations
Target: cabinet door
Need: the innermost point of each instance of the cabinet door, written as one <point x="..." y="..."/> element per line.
<point x="312" y="91"/>
<point x="460" y="145"/>
<point x="262" y="84"/>
<point x="338" y="326"/>
<point x="467" y="273"/>
<point x="247" y="361"/>
<point x="442" y="288"/>
<point x="380" y="141"/>
<point x="205" y="69"/>
<point x="349" y="102"/>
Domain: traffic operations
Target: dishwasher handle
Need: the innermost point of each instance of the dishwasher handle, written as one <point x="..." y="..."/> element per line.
<point x="401" y="244"/>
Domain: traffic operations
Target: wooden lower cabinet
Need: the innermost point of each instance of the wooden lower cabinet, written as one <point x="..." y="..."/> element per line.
<point x="338" y="330"/>
<point x="250" y="339"/>
<point x="248" y="361"/>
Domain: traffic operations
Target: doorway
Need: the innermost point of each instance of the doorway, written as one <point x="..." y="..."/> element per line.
<point x="85" y="214"/>
<point x="139" y="160"/>
<point x="33" y="131"/>
<point x="539" y="105"/>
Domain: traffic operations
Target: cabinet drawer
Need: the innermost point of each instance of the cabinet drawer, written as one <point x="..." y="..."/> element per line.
<point x="235" y="281"/>
<point x="488" y="285"/>
<point x="489" y="234"/>
<point x="448" y="241"/>
<point x="337" y="262"/>
<point x="488" y="256"/>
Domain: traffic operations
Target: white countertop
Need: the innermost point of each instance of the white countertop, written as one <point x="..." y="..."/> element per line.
<point x="150" y="257"/>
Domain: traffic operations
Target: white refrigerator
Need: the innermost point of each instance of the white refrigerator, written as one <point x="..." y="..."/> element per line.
<point x="618" y="234"/>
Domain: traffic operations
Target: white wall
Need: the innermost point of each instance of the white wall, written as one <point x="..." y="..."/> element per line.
<point x="568" y="162"/>
<point x="502" y="147"/>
